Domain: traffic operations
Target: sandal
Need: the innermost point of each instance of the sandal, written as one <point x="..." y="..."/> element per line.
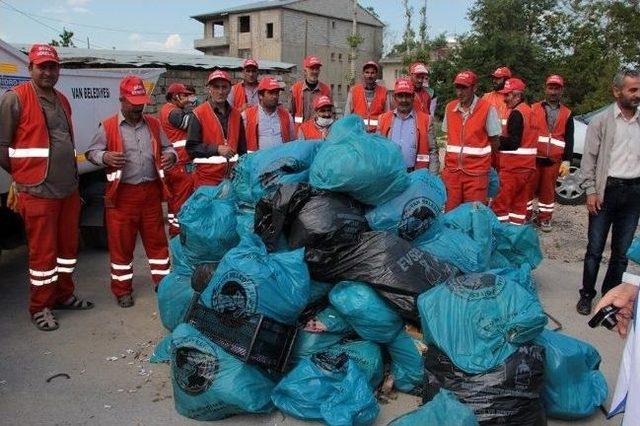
<point x="44" y="320"/>
<point x="74" y="304"/>
<point x="125" y="301"/>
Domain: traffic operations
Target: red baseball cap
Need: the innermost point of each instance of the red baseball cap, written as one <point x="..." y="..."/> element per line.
<point x="371" y="64"/>
<point x="179" y="88"/>
<point x="513" y="85"/>
<point x="418" y="68"/>
<point x="132" y="89"/>
<point x="466" y="78"/>
<point x="269" y="83"/>
<point x="41" y="53"/>
<point x="555" y="79"/>
<point x="404" y="85"/>
<point x="320" y="101"/>
<point x="219" y="75"/>
<point x="312" y="61"/>
<point x="249" y="63"/>
<point x="502" y="72"/>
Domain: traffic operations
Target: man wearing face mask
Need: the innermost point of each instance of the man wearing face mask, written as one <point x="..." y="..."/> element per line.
<point x="419" y="74"/>
<point x="411" y="130"/>
<point x="517" y="156"/>
<point x="317" y="127"/>
<point x="136" y="152"/>
<point x="245" y="93"/>
<point x="368" y="99"/>
<point x="215" y="136"/>
<point x="174" y="117"/>
<point x="303" y="92"/>
<point x="268" y="123"/>
<point x="37" y="149"/>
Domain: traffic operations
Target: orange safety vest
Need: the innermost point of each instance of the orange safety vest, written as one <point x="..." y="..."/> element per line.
<point x="311" y="131"/>
<point x="468" y="144"/>
<point x="114" y="143"/>
<point x="297" y="94"/>
<point x="29" y="148"/>
<point x="422" y="101"/>
<point x="251" y="126"/>
<point x="550" y="143"/>
<point x="497" y="100"/>
<point x="385" y="122"/>
<point x="239" y="97"/>
<point x="212" y="170"/>
<point x="177" y="137"/>
<point x="522" y="159"/>
<point x="369" y="113"/>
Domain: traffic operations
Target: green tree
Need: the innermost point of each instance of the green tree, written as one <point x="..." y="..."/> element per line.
<point x="66" y="39"/>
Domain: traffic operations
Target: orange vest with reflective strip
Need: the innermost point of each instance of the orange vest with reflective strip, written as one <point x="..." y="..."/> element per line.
<point x="385" y="122"/>
<point x="297" y="94"/>
<point x="251" y="126"/>
<point x="239" y="97"/>
<point x="312" y="132"/>
<point x="212" y="170"/>
<point x="369" y="113"/>
<point x="422" y="101"/>
<point x="114" y="143"/>
<point x="29" y="148"/>
<point x="522" y="159"/>
<point x="177" y="137"/>
<point x="550" y="144"/>
<point x="497" y="100"/>
<point x="468" y="145"/>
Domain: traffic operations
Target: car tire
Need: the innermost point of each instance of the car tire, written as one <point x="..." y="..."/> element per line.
<point x="568" y="190"/>
<point x="94" y="237"/>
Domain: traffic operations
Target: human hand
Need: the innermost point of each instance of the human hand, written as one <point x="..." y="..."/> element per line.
<point x="226" y="151"/>
<point x="564" y="168"/>
<point x="114" y="159"/>
<point x="167" y="160"/>
<point x="593" y="204"/>
<point x="622" y="296"/>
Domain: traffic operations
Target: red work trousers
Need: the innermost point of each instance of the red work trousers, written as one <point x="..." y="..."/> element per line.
<point x="180" y="183"/>
<point x="511" y="203"/>
<point x="464" y="188"/>
<point x="138" y="210"/>
<point x="52" y="235"/>
<point x="543" y="187"/>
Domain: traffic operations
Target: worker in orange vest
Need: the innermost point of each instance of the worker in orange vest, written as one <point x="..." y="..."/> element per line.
<point x="268" y="123"/>
<point x="554" y="124"/>
<point x="410" y="129"/>
<point x="37" y="150"/>
<point x="245" y="93"/>
<point x="136" y="152"/>
<point x="174" y="118"/>
<point x="517" y="156"/>
<point x="368" y="99"/>
<point x="318" y="126"/>
<point x="304" y="91"/>
<point x="496" y="97"/>
<point x="472" y="127"/>
<point x="419" y="74"/>
<point x="215" y="136"/>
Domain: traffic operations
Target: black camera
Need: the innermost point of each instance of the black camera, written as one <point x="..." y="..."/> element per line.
<point x="606" y="317"/>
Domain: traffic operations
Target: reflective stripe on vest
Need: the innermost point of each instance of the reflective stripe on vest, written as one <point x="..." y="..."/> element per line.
<point x="524" y="158"/>
<point x="215" y="159"/>
<point x="179" y="144"/>
<point x="28" y="152"/>
<point x="469" y="150"/>
<point x="521" y="151"/>
<point x="368" y="112"/>
<point x="552" y="141"/>
<point x="468" y="145"/>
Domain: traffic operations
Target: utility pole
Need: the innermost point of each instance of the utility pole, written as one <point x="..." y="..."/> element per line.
<point x="88" y="44"/>
<point x="353" y="45"/>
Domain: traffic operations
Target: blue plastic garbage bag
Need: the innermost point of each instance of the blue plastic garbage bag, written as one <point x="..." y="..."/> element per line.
<point x="319" y="290"/>
<point x="369" y="315"/>
<point x="518" y="244"/>
<point x="210" y="384"/>
<point x="245" y="218"/>
<point x="250" y="280"/>
<point x="411" y="213"/>
<point x="162" y="351"/>
<point x="326" y="329"/>
<point x="494" y="183"/>
<point x="454" y="247"/>
<point x="174" y="296"/>
<point x="241" y="180"/>
<point x="479" y="320"/>
<point x="521" y="275"/>
<point x="208" y="223"/>
<point x="407" y="364"/>
<point x="634" y="250"/>
<point x="180" y="264"/>
<point x="476" y="221"/>
<point x="443" y="410"/>
<point x="366" y="166"/>
<point x="329" y="388"/>
<point x="574" y="387"/>
<point x="366" y="355"/>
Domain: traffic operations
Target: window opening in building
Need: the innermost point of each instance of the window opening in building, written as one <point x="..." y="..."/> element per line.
<point x="218" y="29"/>
<point x="270" y="30"/>
<point x="244" y="22"/>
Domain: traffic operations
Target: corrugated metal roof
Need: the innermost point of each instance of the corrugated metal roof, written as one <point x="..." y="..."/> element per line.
<point x="106" y="57"/>
<point x="268" y="4"/>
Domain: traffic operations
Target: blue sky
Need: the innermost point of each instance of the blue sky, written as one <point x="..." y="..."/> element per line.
<point x="165" y="24"/>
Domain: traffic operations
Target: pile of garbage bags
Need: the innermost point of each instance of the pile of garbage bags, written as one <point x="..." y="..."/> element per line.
<point x="296" y="283"/>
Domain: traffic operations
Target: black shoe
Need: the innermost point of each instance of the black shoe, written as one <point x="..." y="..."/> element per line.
<point x="125" y="301"/>
<point x="584" y="306"/>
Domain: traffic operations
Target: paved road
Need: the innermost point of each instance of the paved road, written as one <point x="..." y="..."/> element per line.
<point x="104" y="352"/>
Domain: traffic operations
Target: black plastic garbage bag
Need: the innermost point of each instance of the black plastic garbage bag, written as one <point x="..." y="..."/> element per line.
<point x="308" y="217"/>
<point x="396" y="269"/>
<point x="506" y="395"/>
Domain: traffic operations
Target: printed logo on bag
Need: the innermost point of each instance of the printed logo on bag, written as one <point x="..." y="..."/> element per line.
<point x="194" y="370"/>
<point x="475" y="286"/>
<point x="235" y="299"/>
<point x="418" y="215"/>
<point x="271" y="174"/>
